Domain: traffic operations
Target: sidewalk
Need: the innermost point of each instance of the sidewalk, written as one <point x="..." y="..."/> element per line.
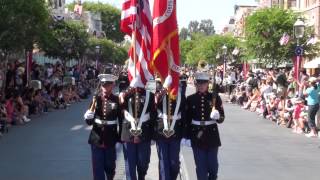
<point x="153" y="173"/>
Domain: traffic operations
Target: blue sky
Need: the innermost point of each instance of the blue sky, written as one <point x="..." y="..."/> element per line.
<point x="219" y="11"/>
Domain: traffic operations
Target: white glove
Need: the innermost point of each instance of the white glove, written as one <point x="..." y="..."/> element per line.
<point x="186" y="142"/>
<point x="136" y="82"/>
<point x="215" y="114"/>
<point x="118" y="145"/>
<point x="153" y="142"/>
<point x="88" y="115"/>
<point x="167" y="82"/>
<point x="121" y="97"/>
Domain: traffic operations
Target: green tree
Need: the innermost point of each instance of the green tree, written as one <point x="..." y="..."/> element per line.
<point x="184" y="34"/>
<point x="185" y="47"/>
<point x="207" y="49"/>
<point x="206" y="27"/>
<point x="110" y="17"/>
<point x="264" y="29"/>
<point x="65" y="40"/>
<point x="193" y="27"/>
<point x="21" y="23"/>
<point x="110" y="52"/>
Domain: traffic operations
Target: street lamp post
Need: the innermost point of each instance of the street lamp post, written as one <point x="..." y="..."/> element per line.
<point x="224" y="51"/>
<point x="98" y="50"/>
<point x="298" y="32"/>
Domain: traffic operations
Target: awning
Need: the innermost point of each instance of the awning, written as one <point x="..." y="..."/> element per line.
<point x="313" y="64"/>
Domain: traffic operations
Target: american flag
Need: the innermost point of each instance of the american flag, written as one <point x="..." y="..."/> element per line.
<point x="136" y="22"/>
<point x="284" y="39"/>
<point x="312" y="40"/>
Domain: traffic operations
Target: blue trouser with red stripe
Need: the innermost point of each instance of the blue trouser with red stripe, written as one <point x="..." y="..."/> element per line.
<point x="169" y="162"/>
<point x="137" y="159"/>
<point x="103" y="162"/>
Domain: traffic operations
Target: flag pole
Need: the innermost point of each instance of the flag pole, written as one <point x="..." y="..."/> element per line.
<point x="135" y="73"/>
<point x="169" y="88"/>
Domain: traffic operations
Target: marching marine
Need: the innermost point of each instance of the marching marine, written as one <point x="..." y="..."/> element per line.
<point x="137" y="129"/>
<point x="169" y="131"/>
<point x="105" y="116"/>
<point x="204" y="111"/>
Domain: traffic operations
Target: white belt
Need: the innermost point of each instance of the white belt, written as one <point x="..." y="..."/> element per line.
<point x="105" y="122"/>
<point x="203" y="123"/>
<point x="161" y="116"/>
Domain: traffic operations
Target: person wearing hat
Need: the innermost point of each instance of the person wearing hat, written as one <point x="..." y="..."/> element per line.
<point x="123" y="81"/>
<point x="169" y="130"/>
<point x="104" y="115"/>
<point x="313" y="95"/>
<point x="204" y="110"/>
<point x="137" y="129"/>
<point x="183" y="81"/>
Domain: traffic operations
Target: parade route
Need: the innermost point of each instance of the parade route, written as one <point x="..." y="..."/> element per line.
<point x="54" y="147"/>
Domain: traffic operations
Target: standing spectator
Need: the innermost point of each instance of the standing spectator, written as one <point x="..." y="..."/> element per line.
<point x="49" y="71"/>
<point x="10" y="77"/>
<point x="1" y="75"/>
<point x="303" y="82"/>
<point x="312" y="94"/>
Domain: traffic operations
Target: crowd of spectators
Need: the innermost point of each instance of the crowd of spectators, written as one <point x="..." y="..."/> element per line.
<point x="276" y="96"/>
<point x="50" y="87"/>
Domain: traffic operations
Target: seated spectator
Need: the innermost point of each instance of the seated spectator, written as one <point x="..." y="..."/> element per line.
<point x="67" y="97"/>
<point x="9" y="107"/>
<point x="29" y="101"/>
<point x="57" y="97"/>
<point x="3" y="118"/>
<point x="21" y="110"/>
<point x="289" y="108"/>
<point x="39" y="101"/>
<point x="272" y="108"/>
<point x="253" y="100"/>
<point x="46" y="99"/>
<point x="74" y="94"/>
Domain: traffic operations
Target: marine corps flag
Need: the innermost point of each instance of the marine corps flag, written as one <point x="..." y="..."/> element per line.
<point x="165" y="45"/>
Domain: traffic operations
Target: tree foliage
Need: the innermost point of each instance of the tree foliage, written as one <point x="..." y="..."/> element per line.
<point x="21" y="23"/>
<point x="264" y="29"/>
<point x="110" y="52"/>
<point x="110" y="17"/>
<point x="65" y="40"/>
<point x="205" y="27"/>
<point x="184" y="34"/>
<point x="207" y="48"/>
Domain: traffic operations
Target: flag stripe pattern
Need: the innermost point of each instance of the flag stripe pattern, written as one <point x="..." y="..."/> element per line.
<point x="136" y="21"/>
<point x="284" y="39"/>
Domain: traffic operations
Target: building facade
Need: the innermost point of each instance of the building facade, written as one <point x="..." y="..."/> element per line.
<point x="241" y="12"/>
<point x="311" y="12"/>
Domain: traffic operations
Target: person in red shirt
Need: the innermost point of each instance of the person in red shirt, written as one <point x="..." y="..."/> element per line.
<point x="296" y="116"/>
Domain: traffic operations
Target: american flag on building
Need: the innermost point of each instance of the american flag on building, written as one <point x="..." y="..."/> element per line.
<point x="136" y="21"/>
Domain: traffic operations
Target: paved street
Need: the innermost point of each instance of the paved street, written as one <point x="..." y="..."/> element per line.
<point x="54" y="147"/>
<point x="256" y="149"/>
